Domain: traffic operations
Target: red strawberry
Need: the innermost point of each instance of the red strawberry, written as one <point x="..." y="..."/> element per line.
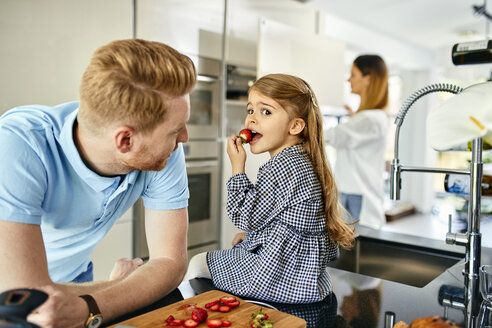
<point x="226" y="323"/>
<point x="175" y="323"/>
<point x="214" y="323"/>
<point x="233" y="304"/>
<point x="214" y="307"/>
<point x="190" y="323"/>
<point x="209" y="305"/>
<point x="228" y="299"/>
<point x="224" y="308"/>
<point x="199" y="314"/>
<point x="246" y="135"/>
<point x="170" y="319"/>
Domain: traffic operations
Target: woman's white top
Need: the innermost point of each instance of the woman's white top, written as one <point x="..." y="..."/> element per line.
<point x="360" y="143"/>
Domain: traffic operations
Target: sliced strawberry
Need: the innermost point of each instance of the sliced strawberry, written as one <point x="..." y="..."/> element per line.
<point x="190" y="323"/>
<point x="226" y="323"/>
<point x="214" y="307"/>
<point x="214" y="323"/>
<point x="224" y="308"/>
<point x="246" y="135"/>
<point x="209" y="305"/>
<point x="170" y="319"/>
<point x="199" y="314"/>
<point x="175" y="323"/>
<point x="227" y="299"/>
<point x="233" y="304"/>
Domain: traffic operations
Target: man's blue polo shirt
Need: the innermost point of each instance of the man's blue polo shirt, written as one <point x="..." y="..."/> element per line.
<point x="44" y="181"/>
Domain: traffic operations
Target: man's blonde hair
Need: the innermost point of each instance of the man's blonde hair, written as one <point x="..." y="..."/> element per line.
<point x="130" y="81"/>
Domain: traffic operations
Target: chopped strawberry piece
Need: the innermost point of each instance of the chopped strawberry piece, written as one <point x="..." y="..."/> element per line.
<point x="175" y="323"/>
<point x="224" y="308"/>
<point x="228" y="299"/>
<point x="214" y="307"/>
<point x="199" y="314"/>
<point x="209" y="305"/>
<point x="170" y="319"/>
<point x="233" y="304"/>
<point x="190" y="323"/>
<point x="226" y="323"/>
<point x="214" y="323"/>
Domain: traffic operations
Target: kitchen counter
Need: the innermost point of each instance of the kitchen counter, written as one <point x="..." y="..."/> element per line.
<point x="359" y="300"/>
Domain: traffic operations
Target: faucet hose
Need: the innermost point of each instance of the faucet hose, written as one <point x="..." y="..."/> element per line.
<point x="438" y="87"/>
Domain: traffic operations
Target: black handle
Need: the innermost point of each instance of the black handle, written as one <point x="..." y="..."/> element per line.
<point x="17" y="303"/>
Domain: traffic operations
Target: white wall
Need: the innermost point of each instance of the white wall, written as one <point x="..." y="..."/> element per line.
<point x="47" y="44"/>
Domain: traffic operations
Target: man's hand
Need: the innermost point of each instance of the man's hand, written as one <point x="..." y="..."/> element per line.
<point x="60" y="310"/>
<point x="123" y="267"/>
<point x="237" y="154"/>
<point x="239" y="237"/>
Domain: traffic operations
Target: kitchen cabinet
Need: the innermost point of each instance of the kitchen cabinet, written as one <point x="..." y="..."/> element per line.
<point x="191" y="26"/>
<point x="243" y="18"/>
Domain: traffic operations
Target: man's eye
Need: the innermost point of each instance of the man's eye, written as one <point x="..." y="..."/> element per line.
<point x="265" y="112"/>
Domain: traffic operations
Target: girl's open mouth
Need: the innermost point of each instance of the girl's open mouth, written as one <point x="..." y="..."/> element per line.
<point x="256" y="137"/>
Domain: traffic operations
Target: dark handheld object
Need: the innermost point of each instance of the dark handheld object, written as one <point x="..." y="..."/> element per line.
<point x="16" y="304"/>
<point x="469" y="53"/>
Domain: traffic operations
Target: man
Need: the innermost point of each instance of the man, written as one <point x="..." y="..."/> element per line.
<point x="69" y="172"/>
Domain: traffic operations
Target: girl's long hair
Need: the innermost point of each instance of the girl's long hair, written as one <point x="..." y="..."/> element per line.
<point x="297" y="98"/>
<point x="377" y="91"/>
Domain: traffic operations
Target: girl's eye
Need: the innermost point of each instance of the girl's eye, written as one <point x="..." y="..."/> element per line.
<point x="265" y="112"/>
<point x="249" y="111"/>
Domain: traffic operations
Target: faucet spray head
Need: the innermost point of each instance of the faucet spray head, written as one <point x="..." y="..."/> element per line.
<point x="395" y="183"/>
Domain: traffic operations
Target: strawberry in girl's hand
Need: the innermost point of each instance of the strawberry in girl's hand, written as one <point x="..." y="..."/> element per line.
<point x="245" y="135"/>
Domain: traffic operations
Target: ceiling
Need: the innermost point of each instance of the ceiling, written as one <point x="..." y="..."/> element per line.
<point x="432" y="24"/>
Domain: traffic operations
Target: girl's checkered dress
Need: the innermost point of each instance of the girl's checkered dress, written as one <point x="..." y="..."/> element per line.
<point x="286" y="249"/>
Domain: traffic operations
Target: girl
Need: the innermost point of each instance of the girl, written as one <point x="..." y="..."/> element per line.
<point x="360" y="143"/>
<point x="291" y="217"/>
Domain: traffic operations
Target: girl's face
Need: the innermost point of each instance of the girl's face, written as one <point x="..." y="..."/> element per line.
<point x="358" y="82"/>
<point x="271" y="123"/>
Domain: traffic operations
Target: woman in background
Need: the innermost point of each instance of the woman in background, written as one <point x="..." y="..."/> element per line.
<point x="360" y="143"/>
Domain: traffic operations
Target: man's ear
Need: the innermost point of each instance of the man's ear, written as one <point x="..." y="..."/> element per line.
<point x="124" y="138"/>
<point x="296" y="126"/>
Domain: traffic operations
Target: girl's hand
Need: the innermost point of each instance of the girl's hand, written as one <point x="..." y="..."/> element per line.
<point x="239" y="237"/>
<point x="123" y="267"/>
<point x="237" y="154"/>
<point x="350" y="111"/>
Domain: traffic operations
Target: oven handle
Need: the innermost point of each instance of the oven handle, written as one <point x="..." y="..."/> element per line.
<point x="206" y="78"/>
<point x="202" y="164"/>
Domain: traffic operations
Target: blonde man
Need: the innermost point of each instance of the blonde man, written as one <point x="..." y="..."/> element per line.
<point x="74" y="169"/>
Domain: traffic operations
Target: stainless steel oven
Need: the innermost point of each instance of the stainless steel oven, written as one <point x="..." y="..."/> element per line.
<point x="205" y="100"/>
<point x="202" y="166"/>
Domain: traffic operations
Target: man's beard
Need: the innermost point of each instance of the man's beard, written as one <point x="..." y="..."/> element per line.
<point x="145" y="160"/>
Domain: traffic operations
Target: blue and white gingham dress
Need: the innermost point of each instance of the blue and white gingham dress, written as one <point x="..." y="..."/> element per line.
<point x="286" y="250"/>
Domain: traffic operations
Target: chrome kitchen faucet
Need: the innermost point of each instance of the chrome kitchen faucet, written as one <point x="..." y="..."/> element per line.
<point x="472" y="238"/>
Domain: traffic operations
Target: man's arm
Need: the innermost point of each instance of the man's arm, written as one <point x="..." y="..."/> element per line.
<point x="166" y="233"/>
<point x="166" y="236"/>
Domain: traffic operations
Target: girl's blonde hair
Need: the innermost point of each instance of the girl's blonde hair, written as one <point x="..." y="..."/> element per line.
<point x="296" y="96"/>
<point x="377" y="91"/>
<point x="130" y="82"/>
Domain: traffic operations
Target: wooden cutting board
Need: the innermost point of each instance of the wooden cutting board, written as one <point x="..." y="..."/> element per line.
<point x="239" y="316"/>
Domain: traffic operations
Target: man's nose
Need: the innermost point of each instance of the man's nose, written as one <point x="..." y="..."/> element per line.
<point x="183" y="135"/>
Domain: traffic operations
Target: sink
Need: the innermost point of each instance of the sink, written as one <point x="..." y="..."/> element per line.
<point x="406" y="264"/>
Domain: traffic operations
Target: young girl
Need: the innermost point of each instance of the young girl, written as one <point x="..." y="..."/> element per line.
<point x="291" y="216"/>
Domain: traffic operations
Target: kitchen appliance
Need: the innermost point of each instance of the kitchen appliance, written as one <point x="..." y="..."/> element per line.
<point x="202" y="165"/>
<point x="205" y="100"/>
<point x="15" y="305"/>
<point x="239" y="80"/>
